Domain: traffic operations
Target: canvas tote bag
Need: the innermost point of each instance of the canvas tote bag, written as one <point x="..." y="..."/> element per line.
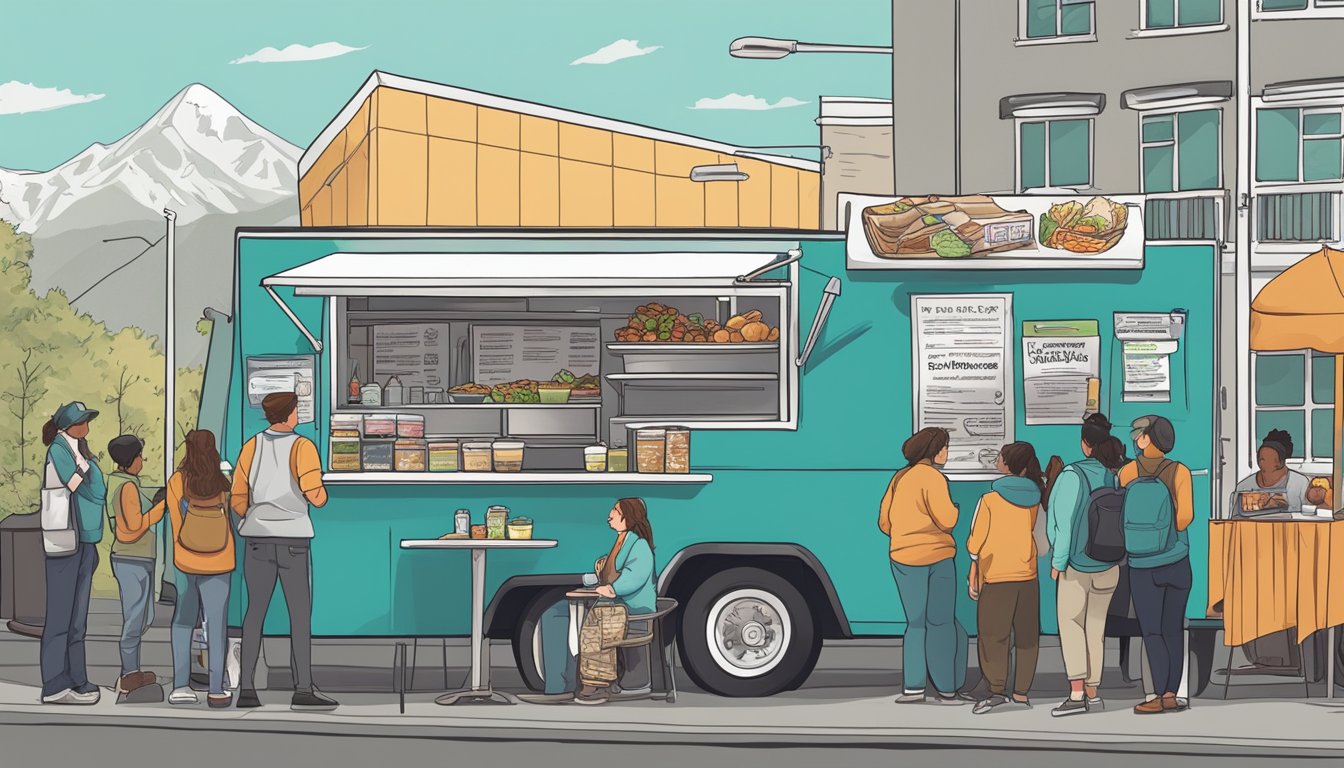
<point x="58" y="524"/>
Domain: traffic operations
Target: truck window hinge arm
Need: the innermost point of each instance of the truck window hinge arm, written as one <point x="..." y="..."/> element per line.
<point x="293" y="318"/>
<point x="828" y="296"/>
<point x="794" y="254"/>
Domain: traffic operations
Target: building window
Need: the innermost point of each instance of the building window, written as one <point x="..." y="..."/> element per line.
<point x="1181" y="151"/>
<point x="1171" y="14"/>
<point x="1047" y="19"/>
<point x="1299" y="144"/>
<point x="1054" y="153"/>
<point x="1295" y="392"/>
<point x="1297" y="217"/>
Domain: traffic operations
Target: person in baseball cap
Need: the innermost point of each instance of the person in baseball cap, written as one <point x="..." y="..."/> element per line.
<point x="1159" y="431"/>
<point x="73" y="414"/>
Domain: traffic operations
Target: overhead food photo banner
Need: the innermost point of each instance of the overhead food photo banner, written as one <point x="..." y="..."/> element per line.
<point x="993" y="232"/>
<point x="963" y="379"/>
<point x="1061" y="367"/>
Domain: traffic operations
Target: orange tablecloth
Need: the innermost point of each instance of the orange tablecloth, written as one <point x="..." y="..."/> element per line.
<point x="1276" y="575"/>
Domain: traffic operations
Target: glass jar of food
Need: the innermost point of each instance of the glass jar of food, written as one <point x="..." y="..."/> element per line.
<point x="376" y="455"/>
<point x="496" y="518"/>
<point x="678" y="451"/>
<point x="409" y="456"/>
<point x="595" y="458"/>
<point x="618" y="460"/>
<point x="411" y="426"/>
<point x="476" y="457"/>
<point x="345" y="454"/>
<point x="651" y="450"/>
<point x="520" y="528"/>
<point x="508" y="455"/>
<point x="443" y="455"/>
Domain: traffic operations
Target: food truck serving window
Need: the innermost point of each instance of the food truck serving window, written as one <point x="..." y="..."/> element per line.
<point x="557" y="351"/>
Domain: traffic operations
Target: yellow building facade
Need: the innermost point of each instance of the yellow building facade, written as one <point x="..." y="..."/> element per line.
<point x="408" y="153"/>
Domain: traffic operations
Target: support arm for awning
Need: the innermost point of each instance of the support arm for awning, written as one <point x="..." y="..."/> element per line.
<point x="293" y="318"/>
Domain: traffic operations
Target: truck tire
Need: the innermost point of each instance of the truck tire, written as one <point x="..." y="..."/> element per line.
<point x="1201" y="659"/>
<point x="527" y="637"/>
<point x="748" y="632"/>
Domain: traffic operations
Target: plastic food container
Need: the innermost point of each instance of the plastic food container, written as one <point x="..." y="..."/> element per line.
<point x="496" y="520"/>
<point x="345" y="454"/>
<point x="376" y="455"/>
<point x="595" y="458"/>
<point x="476" y="457"/>
<point x="678" y="450"/>
<point x="618" y="460"/>
<point x="410" y="456"/>
<point x="520" y="528"/>
<point x="443" y="455"/>
<point x="478" y="532"/>
<point x="508" y="455"/>
<point x="380" y="425"/>
<point x="553" y="392"/>
<point x="651" y="450"/>
<point x="411" y="426"/>
<point x="346" y="424"/>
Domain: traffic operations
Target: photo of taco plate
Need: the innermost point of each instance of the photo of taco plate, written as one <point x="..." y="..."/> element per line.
<point x="944" y="227"/>
<point x="1092" y="228"/>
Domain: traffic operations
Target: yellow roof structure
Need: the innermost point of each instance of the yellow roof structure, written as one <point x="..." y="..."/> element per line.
<point x="1302" y="308"/>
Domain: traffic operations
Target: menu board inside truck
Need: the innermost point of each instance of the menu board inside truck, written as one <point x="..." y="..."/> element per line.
<point x="508" y="353"/>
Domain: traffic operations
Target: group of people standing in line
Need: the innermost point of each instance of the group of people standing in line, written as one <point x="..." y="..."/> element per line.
<point x="1089" y="516"/>
<point x="276" y="480"/>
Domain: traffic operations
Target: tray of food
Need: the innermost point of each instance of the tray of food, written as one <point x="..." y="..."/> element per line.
<point x="1263" y="502"/>
<point x="469" y="393"/>
<point x="1094" y="227"/>
<point x="654" y="323"/>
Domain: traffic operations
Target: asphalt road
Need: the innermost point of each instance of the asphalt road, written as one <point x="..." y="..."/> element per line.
<point x="53" y="744"/>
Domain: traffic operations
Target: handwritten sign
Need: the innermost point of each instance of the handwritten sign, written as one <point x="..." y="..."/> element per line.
<point x="1059" y="360"/>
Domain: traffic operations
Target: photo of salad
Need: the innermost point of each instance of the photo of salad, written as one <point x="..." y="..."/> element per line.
<point x="1094" y="227"/>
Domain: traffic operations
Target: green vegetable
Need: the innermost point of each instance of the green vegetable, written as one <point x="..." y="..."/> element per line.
<point x="696" y="319"/>
<point x="930" y="220"/>
<point x="1096" y="221"/>
<point x="947" y="245"/>
<point x="564" y="377"/>
<point x="1048" y="227"/>
<point x="900" y="207"/>
<point x="650" y="325"/>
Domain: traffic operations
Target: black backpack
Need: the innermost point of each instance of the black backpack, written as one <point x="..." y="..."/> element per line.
<point x="1105" y="522"/>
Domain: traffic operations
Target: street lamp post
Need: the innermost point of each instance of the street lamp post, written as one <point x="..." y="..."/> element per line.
<point x="169" y="356"/>
<point x="774" y="48"/>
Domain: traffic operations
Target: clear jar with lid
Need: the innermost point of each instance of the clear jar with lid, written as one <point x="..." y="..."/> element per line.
<point x="508" y="455"/>
<point x="651" y="450"/>
<point x="595" y="458"/>
<point x="618" y="460"/>
<point x="345" y="454"/>
<point x="410" y="425"/>
<point x="443" y="454"/>
<point x="476" y="457"/>
<point x="678" y="450"/>
<point x="496" y="518"/>
<point x="410" y="456"/>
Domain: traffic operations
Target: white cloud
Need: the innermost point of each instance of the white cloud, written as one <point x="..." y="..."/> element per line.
<point x="296" y="52"/>
<point x="738" y="101"/>
<point x="17" y="98"/>
<point x="621" y="49"/>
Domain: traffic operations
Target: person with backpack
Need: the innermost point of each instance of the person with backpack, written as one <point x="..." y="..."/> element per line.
<point x="196" y="499"/>
<point x="1158" y="509"/>
<point x="277" y="478"/>
<point x="132" y="515"/>
<point x="1003" y="548"/>
<point x="1086" y="533"/>
<point x="918" y="514"/>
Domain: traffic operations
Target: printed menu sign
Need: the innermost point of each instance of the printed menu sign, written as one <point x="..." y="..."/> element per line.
<point x="1148" y="371"/>
<point x="1060" y="359"/>
<point x="963" y="378"/>
<point x="505" y="353"/>
<point x="416" y="353"/>
<point x="268" y="375"/>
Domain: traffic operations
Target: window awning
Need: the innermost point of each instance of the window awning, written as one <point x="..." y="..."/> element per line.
<point x="419" y="274"/>
<point x="1302" y="308"/>
<point x="1062" y="104"/>
<point x="1173" y="96"/>
<point x="1304" y="90"/>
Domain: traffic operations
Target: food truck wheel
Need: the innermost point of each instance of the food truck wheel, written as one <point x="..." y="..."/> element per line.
<point x="527" y="637"/>
<point x="1201" y="659"/>
<point x="748" y="632"/>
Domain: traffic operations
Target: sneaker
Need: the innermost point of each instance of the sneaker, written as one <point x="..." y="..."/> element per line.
<point x="948" y="699"/>
<point x="911" y="697"/>
<point x="312" y="701"/>
<point x="60" y="697"/>
<point x="590" y="695"/>
<point x="547" y="698"/>
<point x="87" y="697"/>
<point x="985" y="705"/>
<point x="219" y="700"/>
<point x="183" y="696"/>
<point x="1096" y="703"/>
<point x="1071" y="707"/>
<point x="248" y="699"/>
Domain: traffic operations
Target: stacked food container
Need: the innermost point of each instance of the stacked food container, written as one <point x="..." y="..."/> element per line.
<point x="345" y="443"/>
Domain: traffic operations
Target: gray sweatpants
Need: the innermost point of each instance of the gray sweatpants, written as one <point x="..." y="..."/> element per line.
<point x="266" y="561"/>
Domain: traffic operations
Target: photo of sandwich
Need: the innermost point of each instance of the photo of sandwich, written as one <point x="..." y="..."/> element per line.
<point x="945" y="227"/>
<point x="1094" y="227"/>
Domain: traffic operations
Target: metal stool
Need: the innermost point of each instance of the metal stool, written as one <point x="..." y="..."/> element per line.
<point x="666" y="649"/>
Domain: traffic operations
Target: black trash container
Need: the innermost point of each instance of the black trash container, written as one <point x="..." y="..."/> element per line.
<point x="23" y="574"/>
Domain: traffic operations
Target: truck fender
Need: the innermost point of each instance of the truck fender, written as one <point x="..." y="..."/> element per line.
<point x="689" y="566"/>
<point x="512" y="597"/>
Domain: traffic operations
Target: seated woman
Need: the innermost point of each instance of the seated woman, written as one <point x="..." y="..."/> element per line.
<point x="1274" y="476"/>
<point x="625" y="577"/>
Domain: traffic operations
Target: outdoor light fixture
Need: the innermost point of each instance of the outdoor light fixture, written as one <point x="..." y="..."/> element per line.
<point x="723" y="172"/>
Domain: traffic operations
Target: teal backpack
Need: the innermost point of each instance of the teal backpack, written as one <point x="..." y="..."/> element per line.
<point x="1150" y="512"/>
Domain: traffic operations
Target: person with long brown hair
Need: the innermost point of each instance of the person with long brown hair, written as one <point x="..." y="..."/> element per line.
<point x="197" y="499"/>
<point x="625" y="575"/>
<point x="918" y="514"/>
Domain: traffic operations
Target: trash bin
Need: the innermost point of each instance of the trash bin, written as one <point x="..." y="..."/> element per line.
<point x="23" y="574"/>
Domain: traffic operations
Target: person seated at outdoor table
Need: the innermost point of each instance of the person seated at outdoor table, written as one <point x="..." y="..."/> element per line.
<point x="1274" y="476"/>
<point x="626" y="577"/>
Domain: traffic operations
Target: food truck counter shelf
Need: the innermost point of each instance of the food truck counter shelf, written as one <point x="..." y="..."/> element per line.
<point x="511" y="478"/>
<point x="593" y="405"/>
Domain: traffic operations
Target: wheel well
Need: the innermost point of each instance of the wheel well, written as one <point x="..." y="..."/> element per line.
<point x="513" y="597"/>
<point x="694" y="570"/>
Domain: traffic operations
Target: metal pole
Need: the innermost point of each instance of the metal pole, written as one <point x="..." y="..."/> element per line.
<point x="881" y="50"/>
<point x="169" y="357"/>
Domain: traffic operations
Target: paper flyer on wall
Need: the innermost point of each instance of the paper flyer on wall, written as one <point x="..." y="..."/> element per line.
<point x="1061" y="363"/>
<point x="963" y="379"/>
<point x="1148" y="371"/>
<point x="268" y="375"/>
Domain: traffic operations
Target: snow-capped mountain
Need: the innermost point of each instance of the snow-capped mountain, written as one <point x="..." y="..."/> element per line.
<point x="199" y="156"/>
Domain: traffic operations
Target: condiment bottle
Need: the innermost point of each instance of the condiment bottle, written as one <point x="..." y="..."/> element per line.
<point x="462" y="522"/>
<point x="354" y="395"/>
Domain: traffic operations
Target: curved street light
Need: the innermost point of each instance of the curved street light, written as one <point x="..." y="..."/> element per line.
<point x="774" y="48"/>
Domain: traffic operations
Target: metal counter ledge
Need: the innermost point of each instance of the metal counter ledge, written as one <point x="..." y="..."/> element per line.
<point x="512" y="478"/>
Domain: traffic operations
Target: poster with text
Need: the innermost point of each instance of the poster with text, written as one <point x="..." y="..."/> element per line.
<point x="1060" y="358"/>
<point x="268" y="375"/>
<point x="963" y="379"/>
<point x="417" y="354"/>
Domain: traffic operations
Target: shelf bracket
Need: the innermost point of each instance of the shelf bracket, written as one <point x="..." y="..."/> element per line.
<point x="794" y="254"/>
<point x="293" y="318"/>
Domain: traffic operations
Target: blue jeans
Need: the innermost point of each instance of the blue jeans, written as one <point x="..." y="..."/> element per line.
<point x="558" y="665"/>
<point x="204" y="595"/>
<point x="935" y="643"/>
<point x="69" y="583"/>
<point x="1160" y="595"/>
<point x="135" y="583"/>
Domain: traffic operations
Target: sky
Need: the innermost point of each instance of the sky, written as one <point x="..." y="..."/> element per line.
<point x="650" y="62"/>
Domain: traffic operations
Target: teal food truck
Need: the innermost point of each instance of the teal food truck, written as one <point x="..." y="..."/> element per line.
<point x="762" y="455"/>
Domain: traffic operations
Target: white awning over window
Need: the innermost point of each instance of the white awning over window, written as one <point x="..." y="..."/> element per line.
<point x="419" y="274"/>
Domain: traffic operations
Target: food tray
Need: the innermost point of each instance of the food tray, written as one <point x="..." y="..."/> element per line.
<point x="664" y="357"/>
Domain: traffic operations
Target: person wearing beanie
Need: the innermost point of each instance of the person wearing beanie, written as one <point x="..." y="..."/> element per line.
<point x="1160" y="582"/>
